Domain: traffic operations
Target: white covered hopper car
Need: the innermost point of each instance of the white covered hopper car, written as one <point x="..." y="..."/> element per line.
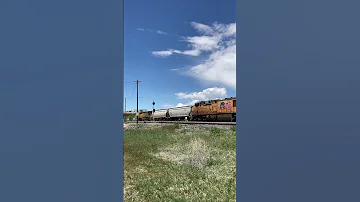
<point x="179" y="113"/>
<point x="160" y="114"/>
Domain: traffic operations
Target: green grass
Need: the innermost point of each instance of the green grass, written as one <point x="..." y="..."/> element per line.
<point x="173" y="164"/>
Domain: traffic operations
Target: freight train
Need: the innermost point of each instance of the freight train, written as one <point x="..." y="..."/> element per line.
<point x="145" y="115"/>
<point x="223" y="110"/>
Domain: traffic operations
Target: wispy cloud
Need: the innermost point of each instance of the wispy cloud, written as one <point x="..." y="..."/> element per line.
<point x="152" y="31"/>
<point x="219" y="41"/>
<point x="171" y="51"/>
<point x="161" y="32"/>
<point x="162" y="54"/>
<point x="177" y="69"/>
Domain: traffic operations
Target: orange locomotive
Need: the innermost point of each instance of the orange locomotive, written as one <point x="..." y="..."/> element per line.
<point x="145" y="115"/>
<point x="214" y="110"/>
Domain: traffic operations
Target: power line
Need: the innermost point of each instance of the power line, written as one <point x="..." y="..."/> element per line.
<point x="133" y="92"/>
<point x="130" y="91"/>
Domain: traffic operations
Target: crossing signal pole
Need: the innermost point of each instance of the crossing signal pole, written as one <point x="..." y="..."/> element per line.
<point x="153" y="103"/>
<point x="137" y="101"/>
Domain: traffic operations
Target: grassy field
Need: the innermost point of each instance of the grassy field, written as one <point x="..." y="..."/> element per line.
<point x="175" y="164"/>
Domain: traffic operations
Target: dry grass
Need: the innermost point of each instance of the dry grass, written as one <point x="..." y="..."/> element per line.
<point x="196" y="153"/>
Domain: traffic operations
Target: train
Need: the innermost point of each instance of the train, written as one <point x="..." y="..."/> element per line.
<point x="145" y="115"/>
<point x="220" y="110"/>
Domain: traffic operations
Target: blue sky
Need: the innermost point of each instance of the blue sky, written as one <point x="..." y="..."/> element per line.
<point x="180" y="51"/>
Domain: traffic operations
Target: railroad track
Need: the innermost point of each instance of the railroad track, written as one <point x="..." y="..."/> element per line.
<point x="186" y="122"/>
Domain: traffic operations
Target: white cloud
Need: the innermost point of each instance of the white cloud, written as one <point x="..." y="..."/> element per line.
<point x="161" y="32"/>
<point x="219" y="68"/>
<point x="207" y="94"/>
<point x="205" y="29"/>
<point x="152" y="31"/>
<point x="175" y="51"/>
<point x="191" y="52"/>
<point x="162" y="53"/>
<point x="193" y="97"/>
<point x="171" y="106"/>
<point x="177" y="69"/>
<point x="180" y="105"/>
<point x="191" y="103"/>
<point x="212" y="38"/>
<point x="166" y="106"/>
<point x="225" y="30"/>
<point x="169" y="52"/>
<point x="204" y="43"/>
<point x="219" y="41"/>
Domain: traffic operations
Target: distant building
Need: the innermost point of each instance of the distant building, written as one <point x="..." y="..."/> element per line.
<point x="131" y="111"/>
<point x="134" y="110"/>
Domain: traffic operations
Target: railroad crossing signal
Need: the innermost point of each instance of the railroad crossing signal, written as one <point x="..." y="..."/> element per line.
<point x="153" y="103"/>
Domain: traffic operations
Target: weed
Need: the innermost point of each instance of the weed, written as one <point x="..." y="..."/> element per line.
<point x="215" y="130"/>
<point x="211" y="162"/>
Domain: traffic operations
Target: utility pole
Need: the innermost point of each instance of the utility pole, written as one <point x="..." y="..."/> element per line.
<point x="137" y="101"/>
